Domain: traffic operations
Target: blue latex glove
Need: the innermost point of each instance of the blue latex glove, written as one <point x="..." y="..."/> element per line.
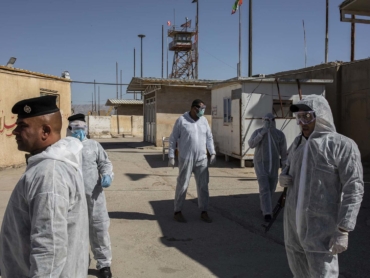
<point x="106" y="181"/>
<point x="79" y="134"/>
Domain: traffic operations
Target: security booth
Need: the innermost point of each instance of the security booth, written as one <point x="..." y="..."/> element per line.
<point x="239" y="104"/>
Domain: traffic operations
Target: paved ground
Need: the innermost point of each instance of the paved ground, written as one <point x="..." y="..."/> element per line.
<point x="146" y="241"/>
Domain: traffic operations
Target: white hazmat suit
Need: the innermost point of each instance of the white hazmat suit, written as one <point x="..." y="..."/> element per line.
<point x="45" y="227"/>
<point x="193" y="138"/>
<point x="325" y="194"/>
<point x="96" y="164"/>
<point x="270" y="144"/>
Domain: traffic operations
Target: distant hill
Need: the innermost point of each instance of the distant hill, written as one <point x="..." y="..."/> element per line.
<point x="86" y="108"/>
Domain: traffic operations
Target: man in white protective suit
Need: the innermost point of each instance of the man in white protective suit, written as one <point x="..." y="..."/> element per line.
<point x="324" y="181"/>
<point x="193" y="137"/>
<point x="270" y="144"/>
<point x="45" y="227"/>
<point x="97" y="172"/>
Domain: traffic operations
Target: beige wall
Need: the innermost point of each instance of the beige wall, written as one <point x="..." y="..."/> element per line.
<point x="130" y="109"/>
<point x="15" y="86"/>
<point x="172" y="102"/>
<point x="137" y="126"/>
<point x="124" y="123"/>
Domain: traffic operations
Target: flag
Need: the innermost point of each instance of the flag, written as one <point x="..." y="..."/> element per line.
<point x="236" y="6"/>
<point x="168" y="23"/>
<point x="194" y="1"/>
<point x="187" y="24"/>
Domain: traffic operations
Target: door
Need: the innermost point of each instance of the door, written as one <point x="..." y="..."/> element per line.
<point x="235" y="134"/>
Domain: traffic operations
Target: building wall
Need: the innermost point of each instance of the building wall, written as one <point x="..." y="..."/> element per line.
<point x="130" y="109"/>
<point x="99" y="126"/>
<point x="137" y="126"/>
<point x="348" y="96"/>
<point x="172" y="102"/>
<point x="123" y="122"/>
<point x="105" y="126"/>
<point x="355" y="98"/>
<point x="16" y="86"/>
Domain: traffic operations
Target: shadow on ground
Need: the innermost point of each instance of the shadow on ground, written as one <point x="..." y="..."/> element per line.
<point x="131" y="215"/>
<point x="156" y="161"/>
<point x="93" y="272"/>
<point x="228" y="254"/>
<point x="125" y="145"/>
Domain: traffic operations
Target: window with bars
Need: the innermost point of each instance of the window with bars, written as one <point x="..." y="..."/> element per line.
<point x="227" y="110"/>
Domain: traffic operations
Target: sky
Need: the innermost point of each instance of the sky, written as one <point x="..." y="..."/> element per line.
<point x="88" y="37"/>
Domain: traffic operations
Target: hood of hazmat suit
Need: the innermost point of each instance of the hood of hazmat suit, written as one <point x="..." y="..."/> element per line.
<point x="327" y="183"/>
<point x="193" y="138"/>
<point x="270" y="147"/>
<point x="45" y="226"/>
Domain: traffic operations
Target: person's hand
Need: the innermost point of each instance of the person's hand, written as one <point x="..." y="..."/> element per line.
<point x="339" y="242"/>
<point x="264" y="131"/>
<point x="212" y="160"/>
<point x="285" y="180"/>
<point x="171" y="162"/>
<point x="106" y="181"/>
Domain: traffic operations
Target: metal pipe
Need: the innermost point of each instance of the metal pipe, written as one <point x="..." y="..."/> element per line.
<point x="327" y="32"/>
<point x="353" y="36"/>
<point x="197" y="38"/>
<point x="134" y="62"/>
<point x="250" y="40"/>
<point x="281" y="102"/>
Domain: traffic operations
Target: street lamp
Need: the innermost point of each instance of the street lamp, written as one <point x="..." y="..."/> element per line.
<point x="141" y="36"/>
<point x="11" y="62"/>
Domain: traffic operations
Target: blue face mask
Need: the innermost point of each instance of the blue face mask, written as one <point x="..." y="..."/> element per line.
<point x="79" y="134"/>
<point x="200" y="113"/>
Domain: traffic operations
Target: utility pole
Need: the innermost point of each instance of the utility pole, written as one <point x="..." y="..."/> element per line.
<point x="196" y="39"/>
<point x="116" y="80"/>
<point x="99" y="100"/>
<point x="162" y="47"/>
<point x="134" y="62"/>
<point x="240" y="42"/>
<point x="121" y="85"/>
<point x="95" y="94"/>
<point x="250" y="40"/>
<point x="327" y="32"/>
<point x="141" y="36"/>
<point x="353" y="36"/>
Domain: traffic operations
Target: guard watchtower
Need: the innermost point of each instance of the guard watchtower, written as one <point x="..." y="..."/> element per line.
<point x="184" y="60"/>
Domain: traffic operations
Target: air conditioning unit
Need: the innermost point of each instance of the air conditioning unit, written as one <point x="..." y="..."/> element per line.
<point x="259" y="75"/>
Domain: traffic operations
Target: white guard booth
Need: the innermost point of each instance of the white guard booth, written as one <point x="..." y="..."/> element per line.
<point x="239" y="104"/>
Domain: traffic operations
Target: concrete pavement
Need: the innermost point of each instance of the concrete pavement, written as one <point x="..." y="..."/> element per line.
<point x="147" y="242"/>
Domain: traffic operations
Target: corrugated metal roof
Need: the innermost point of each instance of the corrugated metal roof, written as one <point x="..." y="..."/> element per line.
<point x="115" y="102"/>
<point x="34" y="73"/>
<point x="140" y="83"/>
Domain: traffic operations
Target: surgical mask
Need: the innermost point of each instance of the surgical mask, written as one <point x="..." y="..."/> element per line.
<point x="79" y="134"/>
<point x="201" y="110"/>
<point x="305" y="117"/>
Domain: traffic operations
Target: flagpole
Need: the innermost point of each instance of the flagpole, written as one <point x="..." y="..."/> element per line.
<point x="240" y="42"/>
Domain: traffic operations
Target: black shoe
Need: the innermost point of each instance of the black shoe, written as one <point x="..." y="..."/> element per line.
<point x="268" y="217"/>
<point x="204" y="216"/>
<point x="179" y="217"/>
<point x="105" y="272"/>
